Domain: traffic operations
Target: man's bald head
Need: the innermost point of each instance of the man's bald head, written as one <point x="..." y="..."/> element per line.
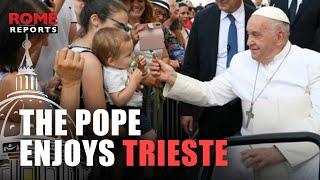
<point x="267" y="37"/>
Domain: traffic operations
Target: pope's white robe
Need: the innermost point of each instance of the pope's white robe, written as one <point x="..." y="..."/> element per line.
<point x="290" y="103"/>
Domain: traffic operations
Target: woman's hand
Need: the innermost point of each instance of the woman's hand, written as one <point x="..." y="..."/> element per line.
<point x="135" y="32"/>
<point x="175" y="64"/>
<point x="69" y="66"/>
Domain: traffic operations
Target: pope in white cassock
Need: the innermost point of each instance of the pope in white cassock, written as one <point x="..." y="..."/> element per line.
<point x="279" y="85"/>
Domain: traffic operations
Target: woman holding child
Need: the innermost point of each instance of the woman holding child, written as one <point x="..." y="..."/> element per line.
<point x="95" y="15"/>
<point x="107" y="48"/>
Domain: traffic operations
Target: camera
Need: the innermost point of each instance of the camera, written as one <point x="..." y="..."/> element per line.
<point x="151" y="37"/>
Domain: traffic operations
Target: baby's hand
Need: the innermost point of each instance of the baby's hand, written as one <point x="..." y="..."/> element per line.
<point x="136" y="76"/>
<point x="142" y="63"/>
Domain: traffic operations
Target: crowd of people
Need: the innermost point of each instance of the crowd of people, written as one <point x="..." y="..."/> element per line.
<point x="96" y="61"/>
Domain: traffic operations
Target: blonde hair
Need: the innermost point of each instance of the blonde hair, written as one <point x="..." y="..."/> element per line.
<point x="107" y="43"/>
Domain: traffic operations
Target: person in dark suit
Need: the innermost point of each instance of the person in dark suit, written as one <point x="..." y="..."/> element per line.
<point x="304" y="16"/>
<point x="250" y="3"/>
<point x="218" y="33"/>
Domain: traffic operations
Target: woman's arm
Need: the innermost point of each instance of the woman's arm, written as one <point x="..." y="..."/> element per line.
<point x="92" y="83"/>
<point x="69" y="67"/>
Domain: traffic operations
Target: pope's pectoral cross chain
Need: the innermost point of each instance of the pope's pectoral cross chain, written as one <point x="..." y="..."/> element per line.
<point x="250" y="115"/>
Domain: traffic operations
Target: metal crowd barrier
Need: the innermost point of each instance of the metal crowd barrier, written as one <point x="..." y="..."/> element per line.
<point x="170" y="128"/>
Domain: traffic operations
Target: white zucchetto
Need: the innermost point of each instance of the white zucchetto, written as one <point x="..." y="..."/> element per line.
<point x="272" y="13"/>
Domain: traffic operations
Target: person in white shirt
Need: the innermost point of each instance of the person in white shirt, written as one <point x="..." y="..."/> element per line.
<point x="279" y="85"/>
<point x="66" y="24"/>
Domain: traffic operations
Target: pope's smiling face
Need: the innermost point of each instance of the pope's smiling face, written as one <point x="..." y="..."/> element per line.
<point x="265" y="39"/>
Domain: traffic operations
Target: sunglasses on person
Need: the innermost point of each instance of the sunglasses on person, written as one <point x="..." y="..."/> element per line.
<point x="121" y="25"/>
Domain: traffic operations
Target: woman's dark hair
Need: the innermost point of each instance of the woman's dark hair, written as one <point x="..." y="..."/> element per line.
<point x="102" y="8"/>
<point x="176" y="29"/>
<point x="11" y="42"/>
<point x="176" y="25"/>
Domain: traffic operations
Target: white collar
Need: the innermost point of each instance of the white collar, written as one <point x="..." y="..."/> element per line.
<point x="282" y="53"/>
<point x="280" y="56"/>
<point x="238" y="14"/>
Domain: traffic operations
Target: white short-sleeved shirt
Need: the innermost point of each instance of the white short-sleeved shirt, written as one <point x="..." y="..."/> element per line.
<point x="115" y="80"/>
<point x="66" y="16"/>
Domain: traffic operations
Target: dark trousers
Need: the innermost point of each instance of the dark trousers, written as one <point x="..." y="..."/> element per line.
<point x="217" y="123"/>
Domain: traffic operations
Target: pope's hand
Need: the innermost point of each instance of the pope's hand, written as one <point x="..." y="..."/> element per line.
<point x="261" y="157"/>
<point x="69" y="66"/>
<point x="163" y="72"/>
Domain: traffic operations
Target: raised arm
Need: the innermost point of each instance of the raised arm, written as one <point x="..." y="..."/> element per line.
<point x="216" y="92"/>
<point x="69" y="67"/>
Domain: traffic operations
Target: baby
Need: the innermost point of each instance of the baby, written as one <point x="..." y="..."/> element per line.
<point x="122" y="73"/>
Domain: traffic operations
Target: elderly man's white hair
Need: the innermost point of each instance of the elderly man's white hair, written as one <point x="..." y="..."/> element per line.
<point x="279" y="25"/>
